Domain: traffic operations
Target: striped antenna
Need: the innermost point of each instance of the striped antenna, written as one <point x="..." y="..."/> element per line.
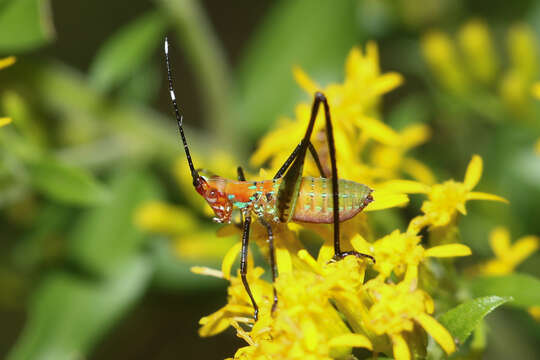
<point x="194" y="173"/>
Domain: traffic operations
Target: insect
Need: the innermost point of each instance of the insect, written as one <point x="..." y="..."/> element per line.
<point x="289" y="196"/>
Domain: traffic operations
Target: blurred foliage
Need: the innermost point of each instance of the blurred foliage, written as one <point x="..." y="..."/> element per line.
<point x="86" y="148"/>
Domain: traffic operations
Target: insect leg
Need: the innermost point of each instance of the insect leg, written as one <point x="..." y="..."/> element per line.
<point x="273" y="264"/>
<point x="243" y="264"/>
<point x="338" y="254"/>
<point x="241" y="175"/>
<point x="293" y="155"/>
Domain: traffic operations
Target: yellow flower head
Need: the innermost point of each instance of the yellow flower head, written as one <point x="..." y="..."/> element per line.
<point x="305" y="324"/>
<point x="445" y="200"/>
<point x="508" y="256"/>
<point x="401" y="253"/>
<point x="395" y="310"/>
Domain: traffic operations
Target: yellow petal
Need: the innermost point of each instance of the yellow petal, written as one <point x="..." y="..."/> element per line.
<point x="360" y="244"/>
<point x="378" y="130"/>
<point x="499" y="240"/>
<point x="304" y="81"/>
<point x="411" y="276"/>
<point x="461" y="208"/>
<point x="415" y="135"/>
<point x="438" y="332"/>
<point x="284" y="261"/>
<point x="523" y="248"/>
<point x="385" y="200"/>
<point x="4" y="121"/>
<point x="386" y="83"/>
<point x="310" y="261"/>
<point x="449" y="250"/>
<point x="5" y="62"/>
<point x="203" y="270"/>
<point x="404" y="186"/>
<point x="350" y="340"/>
<point x="228" y="260"/>
<point x="418" y="171"/>
<point x="474" y="195"/>
<point x="400" y="348"/>
<point x="474" y="172"/>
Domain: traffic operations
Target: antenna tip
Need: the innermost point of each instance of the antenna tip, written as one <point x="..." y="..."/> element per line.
<point x="166" y="44"/>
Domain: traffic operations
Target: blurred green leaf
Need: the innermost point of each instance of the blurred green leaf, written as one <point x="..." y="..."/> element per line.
<point x="127" y="51"/>
<point x="173" y="273"/>
<point x="464" y="318"/>
<point x="106" y="235"/>
<point x="313" y="34"/>
<point x="68" y="315"/>
<point x="523" y="288"/>
<point x="66" y="183"/>
<point x="24" y="25"/>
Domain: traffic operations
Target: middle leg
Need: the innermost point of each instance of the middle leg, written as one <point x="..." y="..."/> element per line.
<point x="273" y="264"/>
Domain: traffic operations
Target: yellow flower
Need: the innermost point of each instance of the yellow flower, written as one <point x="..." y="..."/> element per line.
<point x="390" y="159"/>
<point x="401" y="253"/>
<point x="5" y="62"/>
<point x="305" y="324"/>
<point x="476" y="65"/>
<point x="447" y="199"/>
<point x="508" y="256"/>
<point x="395" y="310"/>
<point x="441" y="55"/>
<point x="354" y="108"/>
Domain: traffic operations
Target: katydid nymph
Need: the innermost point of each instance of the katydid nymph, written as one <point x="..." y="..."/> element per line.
<point x="289" y="196"/>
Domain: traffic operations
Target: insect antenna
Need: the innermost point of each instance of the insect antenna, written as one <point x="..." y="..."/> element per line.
<point x="194" y="173"/>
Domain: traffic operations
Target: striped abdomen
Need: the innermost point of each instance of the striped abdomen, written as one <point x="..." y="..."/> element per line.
<point x="314" y="203"/>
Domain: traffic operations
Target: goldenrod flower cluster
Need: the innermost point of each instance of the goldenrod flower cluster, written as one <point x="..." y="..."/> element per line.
<point x="469" y="68"/>
<point x="325" y="308"/>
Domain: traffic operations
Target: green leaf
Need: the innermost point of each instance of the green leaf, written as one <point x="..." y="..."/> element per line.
<point x="313" y="34"/>
<point x="523" y="288"/>
<point x="464" y="318"/>
<point x="68" y="315"/>
<point x="127" y="51"/>
<point x="24" y="25"/>
<point x="106" y="235"/>
<point x="66" y="183"/>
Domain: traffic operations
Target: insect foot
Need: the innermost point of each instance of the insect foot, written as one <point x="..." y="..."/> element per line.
<point x="342" y="255"/>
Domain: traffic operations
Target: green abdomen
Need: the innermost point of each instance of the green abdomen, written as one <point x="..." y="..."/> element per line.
<point x="314" y="203"/>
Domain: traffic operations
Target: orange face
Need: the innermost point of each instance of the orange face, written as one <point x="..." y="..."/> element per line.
<point x="213" y="192"/>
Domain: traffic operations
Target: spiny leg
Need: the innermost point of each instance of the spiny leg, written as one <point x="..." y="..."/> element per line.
<point x="243" y="264"/>
<point x="338" y="254"/>
<point x="292" y="157"/>
<point x="273" y="264"/>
